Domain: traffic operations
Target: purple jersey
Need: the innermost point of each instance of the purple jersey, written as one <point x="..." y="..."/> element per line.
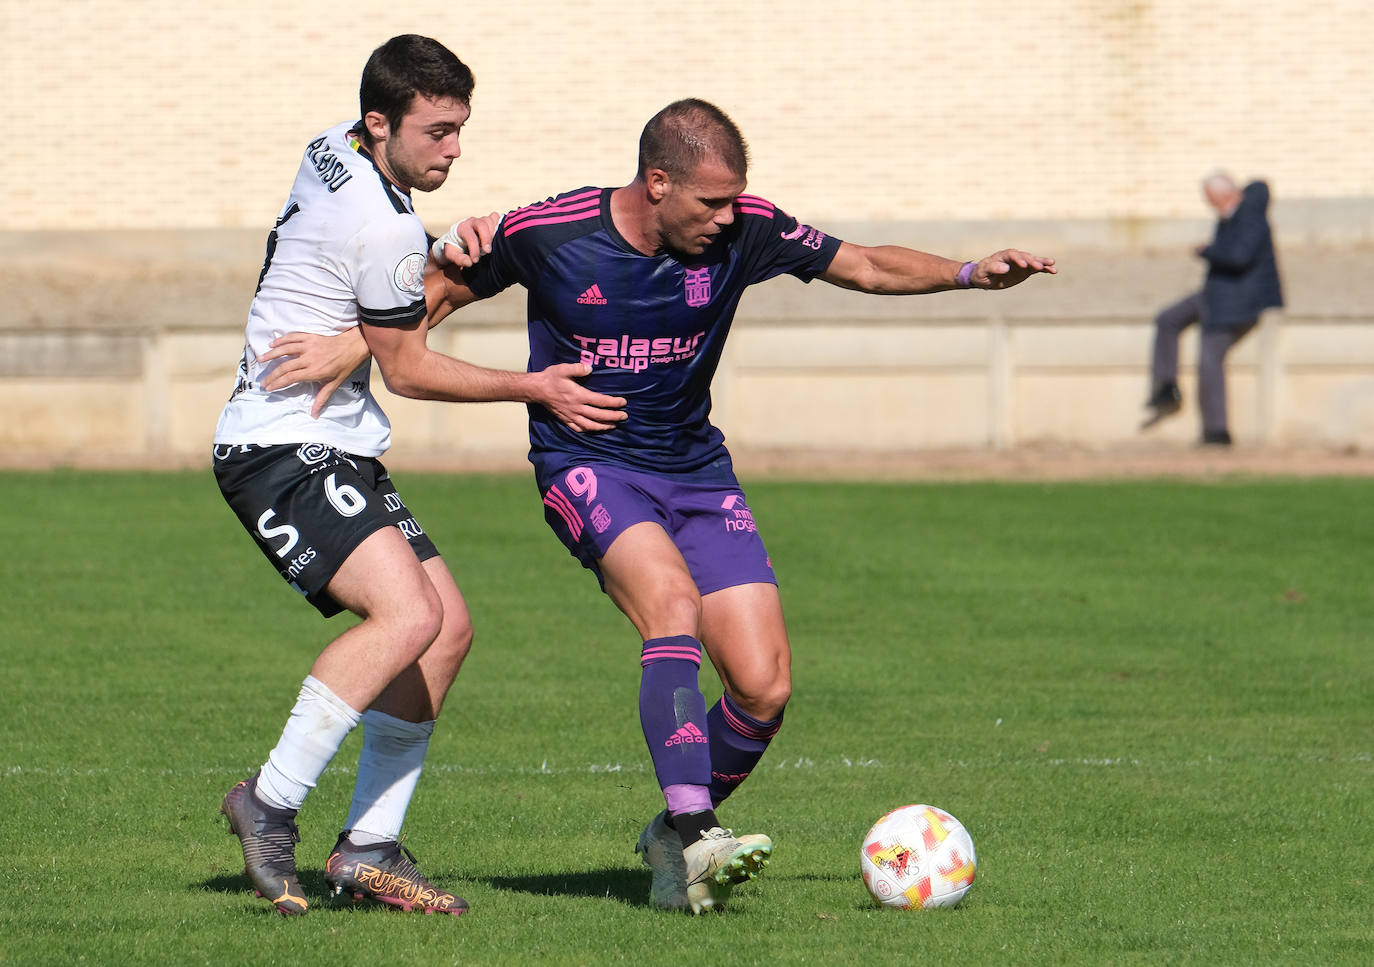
<point x="651" y="326"/>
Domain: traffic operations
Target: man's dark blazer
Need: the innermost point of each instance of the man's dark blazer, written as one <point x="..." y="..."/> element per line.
<point x="1242" y="273"/>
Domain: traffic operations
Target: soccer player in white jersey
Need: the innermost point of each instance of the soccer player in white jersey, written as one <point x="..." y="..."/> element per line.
<point x="348" y="252"/>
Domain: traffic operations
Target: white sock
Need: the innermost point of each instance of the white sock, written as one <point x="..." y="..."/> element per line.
<point x="388" y="769"/>
<point x="319" y="722"/>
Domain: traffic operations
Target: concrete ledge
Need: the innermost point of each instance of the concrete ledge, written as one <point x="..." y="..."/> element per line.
<point x="131" y="358"/>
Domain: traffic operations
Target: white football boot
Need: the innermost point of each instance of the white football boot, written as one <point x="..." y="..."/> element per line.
<point x="719" y="860"/>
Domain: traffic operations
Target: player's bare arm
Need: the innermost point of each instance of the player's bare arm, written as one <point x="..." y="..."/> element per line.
<point x="328" y="360"/>
<point x="894" y="270"/>
<point x="410" y="368"/>
<point x="461" y="246"/>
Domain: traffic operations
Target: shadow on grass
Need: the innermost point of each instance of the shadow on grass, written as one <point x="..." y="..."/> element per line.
<point x="614" y="883"/>
<point x="627" y="886"/>
<point x="318" y="894"/>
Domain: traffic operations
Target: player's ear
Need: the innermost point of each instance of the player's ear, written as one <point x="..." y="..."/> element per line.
<point x="377" y="125"/>
<point x="657" y="182"/>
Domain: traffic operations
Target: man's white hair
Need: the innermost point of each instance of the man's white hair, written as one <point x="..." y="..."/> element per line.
<point x="1220" y="181"/>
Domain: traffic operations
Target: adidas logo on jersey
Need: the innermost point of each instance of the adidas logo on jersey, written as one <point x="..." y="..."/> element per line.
<point x="592" y="297"/>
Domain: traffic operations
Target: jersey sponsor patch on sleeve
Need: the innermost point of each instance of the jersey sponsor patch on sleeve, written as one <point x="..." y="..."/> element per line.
<point x="409" y="274"/>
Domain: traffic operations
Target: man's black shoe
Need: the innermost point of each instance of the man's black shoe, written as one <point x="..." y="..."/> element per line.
<point x="1166" y="398"/>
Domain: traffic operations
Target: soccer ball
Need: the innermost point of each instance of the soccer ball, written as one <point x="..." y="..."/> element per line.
<point x="918" y="857"/>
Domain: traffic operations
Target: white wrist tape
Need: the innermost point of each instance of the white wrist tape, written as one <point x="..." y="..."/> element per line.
<point x="448" y="238"/>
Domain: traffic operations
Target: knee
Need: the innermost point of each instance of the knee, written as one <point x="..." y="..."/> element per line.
<point x="764" y="696"/>
<point x="415" y="626"/>
<point x="453" y="642"/>
<point x="677" y="611"/>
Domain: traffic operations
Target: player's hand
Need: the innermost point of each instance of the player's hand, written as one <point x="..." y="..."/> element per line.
<point x="577" y="407"/>
<point x="308" y="357"/>
<point x="465" y="242"/>
<point x="1009" y="267"/>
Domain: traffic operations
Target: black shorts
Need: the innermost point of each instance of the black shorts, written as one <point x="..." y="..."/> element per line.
<point x="308" y="507"/>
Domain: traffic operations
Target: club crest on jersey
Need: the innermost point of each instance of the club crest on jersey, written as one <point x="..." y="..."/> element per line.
<point x="697" y="284"/>
<point x="410" y="274"/>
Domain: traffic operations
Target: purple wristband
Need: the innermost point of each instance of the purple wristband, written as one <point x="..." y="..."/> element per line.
<point x="965" y="277"/>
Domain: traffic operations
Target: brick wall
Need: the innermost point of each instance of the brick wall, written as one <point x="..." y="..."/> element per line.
<point x="174" y="115"/>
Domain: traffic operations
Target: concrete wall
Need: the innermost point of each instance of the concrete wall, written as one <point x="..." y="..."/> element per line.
<point x="135" y="365"/>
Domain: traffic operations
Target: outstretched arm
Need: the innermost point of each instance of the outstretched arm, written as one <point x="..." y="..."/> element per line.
<point x="893" y="270"/>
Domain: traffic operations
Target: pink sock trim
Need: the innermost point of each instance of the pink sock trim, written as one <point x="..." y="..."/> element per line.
<point x="685" y="798"/>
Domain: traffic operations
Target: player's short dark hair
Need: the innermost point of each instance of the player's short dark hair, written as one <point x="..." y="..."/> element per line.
<point x="405" y="66"/>
<point x="687" y="132"/>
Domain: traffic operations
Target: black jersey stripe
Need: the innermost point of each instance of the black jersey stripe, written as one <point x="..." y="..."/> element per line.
<point x="394" y="318"/>
<point x="393" y="194"/>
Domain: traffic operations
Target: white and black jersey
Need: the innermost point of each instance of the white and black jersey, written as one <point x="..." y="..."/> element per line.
<point x="347" y="248"/>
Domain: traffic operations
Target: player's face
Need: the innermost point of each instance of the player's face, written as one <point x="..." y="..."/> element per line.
<point x="698" y="207"/>
<point x="424" y="145"/>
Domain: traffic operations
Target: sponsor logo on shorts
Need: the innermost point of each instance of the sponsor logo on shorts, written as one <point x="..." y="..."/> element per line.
<point x="298" y="563"/>
<point x="319" y="455"/>
<point x="737" y="516"/>
<point x="223" y="451"/>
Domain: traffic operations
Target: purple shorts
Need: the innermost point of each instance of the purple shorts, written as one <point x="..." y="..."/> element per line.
<point x="589" y="506"/>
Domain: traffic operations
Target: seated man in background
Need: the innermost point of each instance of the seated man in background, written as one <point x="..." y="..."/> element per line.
<point x="1242" y="281"/>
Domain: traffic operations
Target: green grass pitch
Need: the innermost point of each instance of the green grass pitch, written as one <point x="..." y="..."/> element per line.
<point x="1151" y="703"/>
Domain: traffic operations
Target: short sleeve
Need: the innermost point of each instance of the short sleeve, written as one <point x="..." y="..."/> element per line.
<point x="499" y="269"/>
<point x="778" y="244"/>
<point x="387" y="265"/>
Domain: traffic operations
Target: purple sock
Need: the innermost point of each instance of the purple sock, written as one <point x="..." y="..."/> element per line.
<point x="738" y="741"/>
<point x="672" y="713"/>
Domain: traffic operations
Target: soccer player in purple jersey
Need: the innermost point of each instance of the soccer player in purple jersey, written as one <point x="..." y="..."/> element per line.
<point x="641" y="284"/>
